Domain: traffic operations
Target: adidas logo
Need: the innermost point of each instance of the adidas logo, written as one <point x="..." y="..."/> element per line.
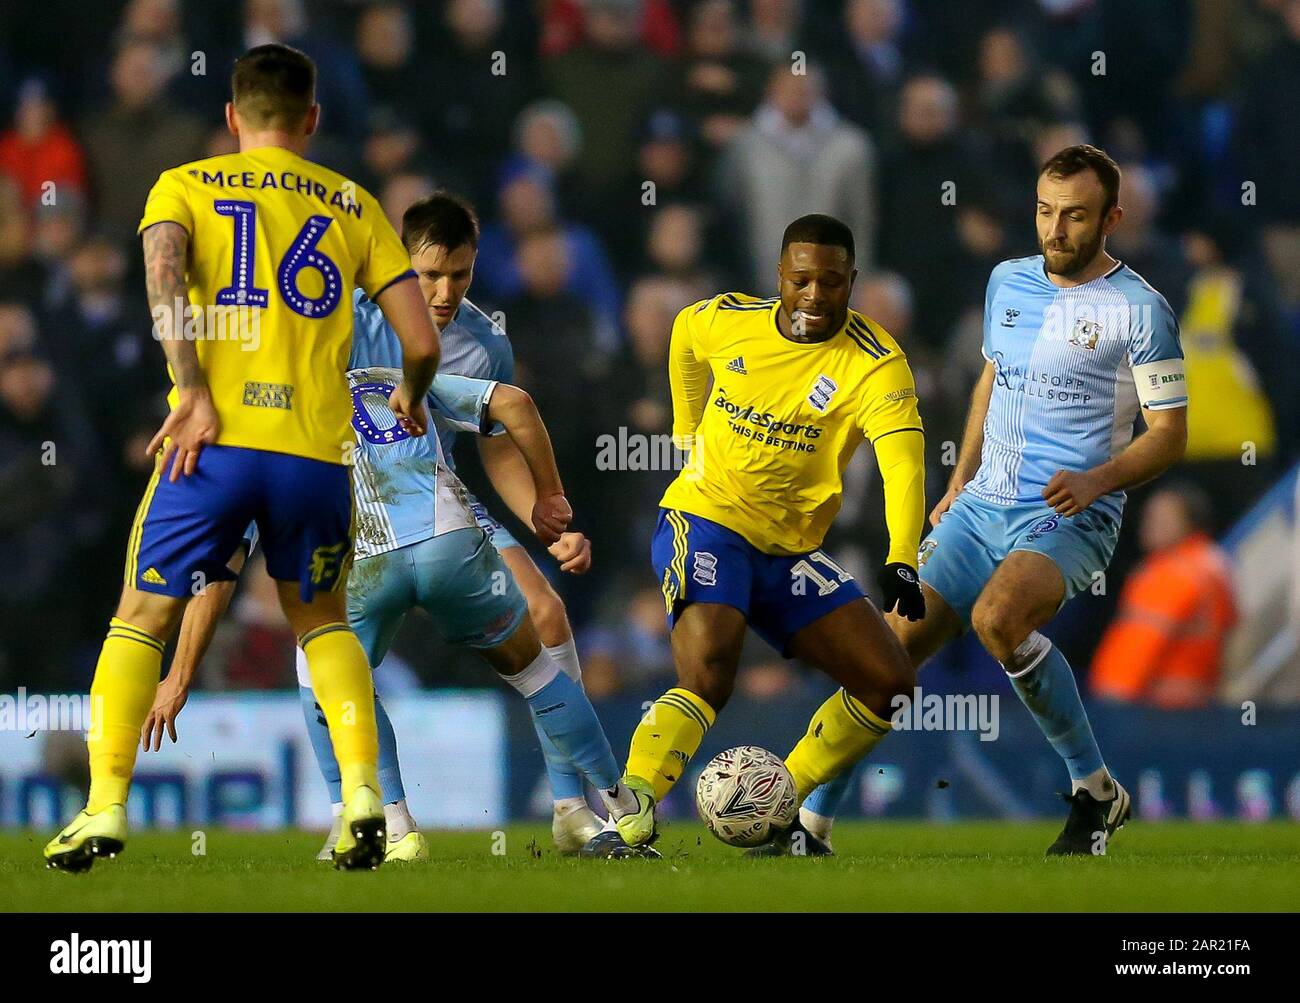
<point x="737" y="365"/>
<point x="153" y="578"/>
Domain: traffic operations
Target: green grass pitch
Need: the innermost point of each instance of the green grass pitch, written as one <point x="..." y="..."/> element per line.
<point x="880" y="867"/>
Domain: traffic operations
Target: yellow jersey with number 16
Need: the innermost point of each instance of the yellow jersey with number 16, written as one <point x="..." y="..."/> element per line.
<point x="771" y="437"/>
<point x="277" y="245"/>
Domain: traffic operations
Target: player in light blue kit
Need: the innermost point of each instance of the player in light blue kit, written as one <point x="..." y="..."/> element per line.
<point x="1076" y="346"/>
<point x="419" y="541"/>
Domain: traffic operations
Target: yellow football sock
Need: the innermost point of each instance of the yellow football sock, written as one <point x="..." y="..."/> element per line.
<point x="126" y="680"/>
<point x="667" y="738"/>
<point x="341" y="681"/>
<point x="840" y="733"/>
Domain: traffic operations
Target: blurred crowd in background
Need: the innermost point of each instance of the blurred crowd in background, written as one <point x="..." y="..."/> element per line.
<point x="629" y="157"/>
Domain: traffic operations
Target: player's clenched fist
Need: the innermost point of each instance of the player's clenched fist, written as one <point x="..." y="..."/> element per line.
<point x="573" y="551"/>
<point x="551" y="517"/>
<point x="411" y="414"/>
<point x="1069" y="492"/>
<point x="900" y="587"/>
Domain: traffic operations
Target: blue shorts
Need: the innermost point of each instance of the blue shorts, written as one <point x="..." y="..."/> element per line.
<point x="184" y="533"/>
<point x="697" y="560"/>
<point x="458" y="578"/>
<point x="960" y="555"/>
<point x="499" y="536"/>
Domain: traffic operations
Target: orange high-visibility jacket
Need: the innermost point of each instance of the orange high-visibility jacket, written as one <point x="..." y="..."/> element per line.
<point x="1166" y="642"/>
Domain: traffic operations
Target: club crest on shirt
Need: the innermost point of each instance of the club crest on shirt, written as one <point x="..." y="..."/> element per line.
<point x="1085" y="334"/>
<point x="822" y="392"/>
<point x="924" y="551"/>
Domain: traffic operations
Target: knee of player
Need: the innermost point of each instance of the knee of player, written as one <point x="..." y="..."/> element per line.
<point x="548" y="614"/>
<point x="997" y="629"/>
<point x="710" y="680"/>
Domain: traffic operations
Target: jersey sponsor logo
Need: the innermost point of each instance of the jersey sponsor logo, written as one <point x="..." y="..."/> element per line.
<point x="705" y="568"/>
<point x="822" y="392"/>
<point x="737" y="365"/>
<point x="277" y="395"/>
<point x="1009" y="319"/>
<point x="1086" y="334"/>
<point x="765" y="420"/>
<point x="1037" y="383"/>
<point x="899" y="395"/>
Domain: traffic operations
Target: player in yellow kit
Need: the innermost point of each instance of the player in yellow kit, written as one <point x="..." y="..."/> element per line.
<point x="251" y="259"/>
<point x="799" y="382"/>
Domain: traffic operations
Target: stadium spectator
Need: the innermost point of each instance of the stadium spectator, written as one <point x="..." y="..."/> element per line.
<point x="48" y="471"/>
<point x="797" y="156"/>
<point x="866" y="71"/>
<point x="137" y="137"/>
<point x="934" y="168"/>
<point x="58" y="229"/>
<point x="1232" y="439"/>
<point x="1165" y="646"/>
<point x="547" y="135"/>
<point x="608" y="62"/>
<point x="39" y="151"/>
<point x="340" y="85"/>
<point x="474" y="86"/>
<point x="717" y="83"/>
<point x="1142" y="243"/>
<point x="528" y="206"/>
<point x="22" y="277"/>
<point x="773" y="28"/>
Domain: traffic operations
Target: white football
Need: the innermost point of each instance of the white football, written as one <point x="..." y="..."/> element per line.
<point x="744" y="794"/>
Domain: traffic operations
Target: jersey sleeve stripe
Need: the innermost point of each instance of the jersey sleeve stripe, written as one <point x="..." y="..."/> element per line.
<point x="909" y="428"/>
<point x="408" y="274"/>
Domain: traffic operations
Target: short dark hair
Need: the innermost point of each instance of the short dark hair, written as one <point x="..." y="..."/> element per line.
<point x="440" y="219"/>
<point x="817" y="228"/>
<point x="1073" y="159"/>
<point x="274" y="85"/>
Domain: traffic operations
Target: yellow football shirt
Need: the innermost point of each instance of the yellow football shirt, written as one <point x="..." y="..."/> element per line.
<point x="277" y="245"/>
<point x="771" y="438"/>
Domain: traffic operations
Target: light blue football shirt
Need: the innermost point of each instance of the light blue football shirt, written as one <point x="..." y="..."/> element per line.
<point x="1073" y="368"/>
<point x="405" y="488"/>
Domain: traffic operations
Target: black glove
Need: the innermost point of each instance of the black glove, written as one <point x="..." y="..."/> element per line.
<point x="900" y="587"/>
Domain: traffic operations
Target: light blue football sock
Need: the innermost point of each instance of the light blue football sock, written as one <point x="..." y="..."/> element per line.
<point x="562" y="712"/>
<point x="390" y="772"/>
<point x="563" y="776"/>
<point x="826" y="799"/>
<point x="1044" y="681"/>
<point x="319" y="733"/>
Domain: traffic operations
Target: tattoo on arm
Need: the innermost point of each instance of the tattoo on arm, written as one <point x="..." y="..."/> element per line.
<point x="166" y="247"/>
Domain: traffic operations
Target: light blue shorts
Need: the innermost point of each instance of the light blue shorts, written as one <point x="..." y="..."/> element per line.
<point x="458" y="578"/>
<point x="497" y="533"/>
<point x="960" y="555"/>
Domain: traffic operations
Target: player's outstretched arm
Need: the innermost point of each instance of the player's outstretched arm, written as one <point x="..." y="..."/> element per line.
<point x="514" y="409"/>
<point x="1153" y="452"/>
<point x="193" y="423"/>
<point x="513" y="481"/>
<point x="408" y="316"/>
<point x="972" y="443"/>
<point x="199" y="624"/>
